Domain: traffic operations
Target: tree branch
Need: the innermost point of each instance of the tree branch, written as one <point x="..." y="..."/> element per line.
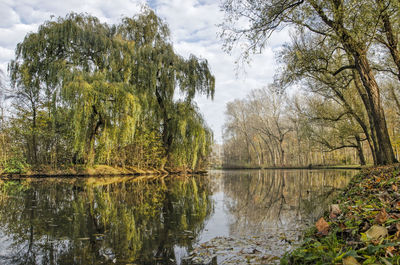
<point x="343" y="68"/>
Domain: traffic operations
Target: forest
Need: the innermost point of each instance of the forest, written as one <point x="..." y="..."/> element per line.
<point x="82" y="92"/>
<point x="83" y="99"/>
<point x="335" y="97"/>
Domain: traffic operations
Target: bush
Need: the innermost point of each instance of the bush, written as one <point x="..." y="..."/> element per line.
<point x="15" y="165"/>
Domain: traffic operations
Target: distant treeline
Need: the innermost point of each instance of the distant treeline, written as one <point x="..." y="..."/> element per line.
<point x="85" y="92"/>
<point x="272" y="129"/>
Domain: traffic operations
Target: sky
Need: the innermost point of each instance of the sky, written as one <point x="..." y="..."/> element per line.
<point x="194" y="29"/>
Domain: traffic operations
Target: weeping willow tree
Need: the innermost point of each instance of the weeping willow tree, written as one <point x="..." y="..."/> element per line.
<point x="193" y="138"/>
<point x="76" y="65"/>
<point x="93" y="85"/>
<point x="158" y="74"/>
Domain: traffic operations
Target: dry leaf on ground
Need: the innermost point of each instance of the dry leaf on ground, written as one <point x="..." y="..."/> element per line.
<point x="349" y="260"/>
<point x="390" y="250"/>
<point x="335" y="211"/>
<point x="376" y="232"/>
<point x="381" y="217"/>
<point x="322" y="226"/>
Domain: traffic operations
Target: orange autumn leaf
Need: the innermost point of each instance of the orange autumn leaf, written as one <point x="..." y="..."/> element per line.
<point x="332" y="215"/>
<point x="390" y="250"/>
<point x="381" y="217"/>
<point x="322" y="226"/>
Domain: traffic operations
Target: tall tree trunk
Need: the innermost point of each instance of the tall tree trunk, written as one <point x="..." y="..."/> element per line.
<point x="248" y="150"/>
<point x="371" y="137"/>
<point x="282" y="152"/>
<point x="90" y="151"/>
<point x="166" y="130"/>
<point x="270" y="151"/>
<point x="357" y="117"/>
<point x="360" y="152"/>
<point x="384" y="150"/>
<point x="358" y="51"/>
<point x="34" y="136"/>
<point x="255" y="151"/>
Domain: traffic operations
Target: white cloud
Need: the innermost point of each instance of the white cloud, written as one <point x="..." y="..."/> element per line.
<point x="193" y="25"/>
<point x="8" y="16"/>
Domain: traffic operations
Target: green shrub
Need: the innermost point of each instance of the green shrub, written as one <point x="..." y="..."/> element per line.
<point x="15" y="165"/>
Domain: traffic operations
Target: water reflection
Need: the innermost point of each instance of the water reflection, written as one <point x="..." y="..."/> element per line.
<point x="100" y="221"/>
<point x="265" y="200"/>
<point x="272" y="205"/>
<point x="155" y="221"/>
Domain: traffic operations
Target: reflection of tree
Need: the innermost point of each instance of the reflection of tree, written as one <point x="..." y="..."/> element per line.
<point x="81" y="221"/>
<point x="264" y="200"/>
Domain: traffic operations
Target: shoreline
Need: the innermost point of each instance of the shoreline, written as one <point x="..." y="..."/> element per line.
<point x="109" y="171"/>
<point x="98" y="170"/>
<point x="356" y="167"/>
<point x="362" y="226"/>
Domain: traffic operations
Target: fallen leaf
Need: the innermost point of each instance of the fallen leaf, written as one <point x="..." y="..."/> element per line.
<point x="335" y="209"/>
<point x="322" y="226"/>
<point x="395" y="216"/>
<point x="390" y="250"/>
<point x="398" y="230"/>
<point x="394" y="187"/>
<point x="376" y="232"/>
<point x="381" y="217"/>
<point x="349" y="260"/>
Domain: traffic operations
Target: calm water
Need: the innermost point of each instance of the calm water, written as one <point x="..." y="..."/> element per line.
<point x="156" y="221"/>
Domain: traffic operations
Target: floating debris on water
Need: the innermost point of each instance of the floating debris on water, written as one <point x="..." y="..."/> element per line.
<point x="232" y="250"/>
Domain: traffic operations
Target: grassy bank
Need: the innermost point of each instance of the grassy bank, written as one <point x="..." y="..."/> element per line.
<point x="362" y="226"/>
<point x="97" y="170"/>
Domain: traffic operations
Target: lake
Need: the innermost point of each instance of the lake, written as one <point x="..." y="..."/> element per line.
<point x="170" y="220"/>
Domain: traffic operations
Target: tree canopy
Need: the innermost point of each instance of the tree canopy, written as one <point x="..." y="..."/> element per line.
<point x="355" y="35"/>
<point x="88" y="92"/>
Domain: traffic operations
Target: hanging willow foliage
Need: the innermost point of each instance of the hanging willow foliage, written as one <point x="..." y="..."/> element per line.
<point x="192" y="139"/>
<point x="100" y="83"/>
<point x="160" y="72"/>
